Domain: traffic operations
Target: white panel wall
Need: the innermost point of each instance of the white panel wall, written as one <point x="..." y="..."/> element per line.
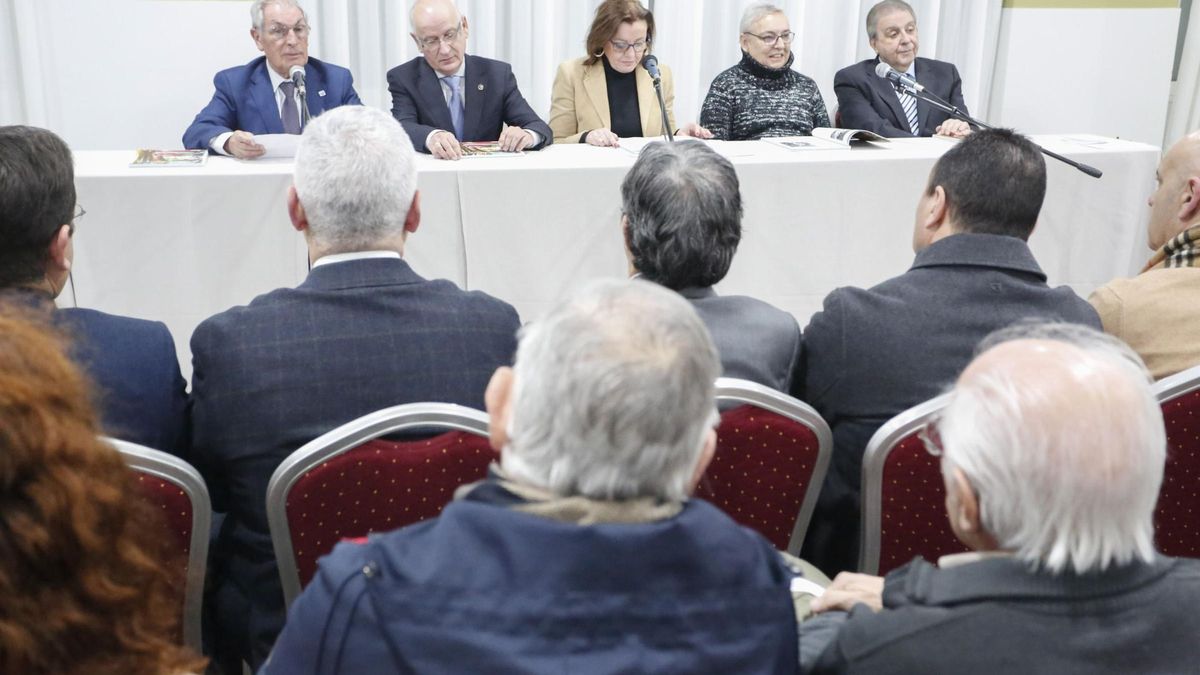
<point x="1100" y="71"/>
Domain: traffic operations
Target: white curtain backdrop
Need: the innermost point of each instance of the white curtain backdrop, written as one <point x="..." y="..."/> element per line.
<point x="1183" y="116"/>
<point x="113" y="74"/>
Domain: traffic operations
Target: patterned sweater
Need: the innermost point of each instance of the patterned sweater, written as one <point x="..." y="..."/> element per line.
<point x="750" y="101"/>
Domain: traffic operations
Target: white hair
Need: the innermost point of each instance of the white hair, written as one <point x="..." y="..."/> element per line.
<point x="755" y="12"/>
<point x="259" y="6"/>
<point x="1065" y="449"/>
<point x="613" y="395"/>
<point x="355" y="177"/>
<point x="412" y="13"/>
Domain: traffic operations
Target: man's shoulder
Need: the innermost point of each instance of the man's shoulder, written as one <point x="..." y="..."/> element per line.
<point x="406" y="70"/>
<point x="856" y="71"/>
<point x="240" y="75"/>
<point x="329" y="70"/>
<point x="97" y="322"/>
<point x="486" y="65"/>
<point x="934" y="66"/>
<point x="745" y="308"/>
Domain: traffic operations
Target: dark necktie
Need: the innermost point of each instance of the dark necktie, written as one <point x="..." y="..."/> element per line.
<point x="289" y="115"/>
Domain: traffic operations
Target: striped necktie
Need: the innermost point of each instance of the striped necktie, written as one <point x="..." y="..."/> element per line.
<point x="909" y="103"/>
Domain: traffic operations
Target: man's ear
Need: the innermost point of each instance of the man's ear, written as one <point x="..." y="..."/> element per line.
<point x="498" y="401"/>
<point x="58" y="254"/>
<point x="936" y="209"/>
<point x="413" y="220"/>
<point x="706" y="455"/>
<point x="257" y="39"/>
<point x="296" y="210"/>
<point x="1189" y="210"/>
<point x="966" y="517"/>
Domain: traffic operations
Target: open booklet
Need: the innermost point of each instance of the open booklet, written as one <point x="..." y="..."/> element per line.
<point x="146" y="157"/>
<point x="486" y="149"/>
<point x="826" y="138"/>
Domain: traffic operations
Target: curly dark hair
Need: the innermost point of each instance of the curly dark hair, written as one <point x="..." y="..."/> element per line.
<point x="83" y="584"/>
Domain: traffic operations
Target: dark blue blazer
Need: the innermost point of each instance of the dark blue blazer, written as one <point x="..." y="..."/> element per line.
<point x="488" y="589"/>
<point x="245" y="100"/>
<point x="492" y="100"/>
<point x="268" y="377"/>
<point x="871" y="354"/>
<point x="142" y="395"/>
<point x="867" y="101"/>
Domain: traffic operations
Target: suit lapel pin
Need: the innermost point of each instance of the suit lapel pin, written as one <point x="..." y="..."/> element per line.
<point x="321" y="93"/>
<point x="481" y="87"/>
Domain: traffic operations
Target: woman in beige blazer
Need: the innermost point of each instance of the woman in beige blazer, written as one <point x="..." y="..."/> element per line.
<point x="605" y="95"/>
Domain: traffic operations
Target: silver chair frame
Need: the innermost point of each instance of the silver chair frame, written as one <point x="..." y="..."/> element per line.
<point x="1174" y="386"/>
<point x="874" y="458"/>
<point x="187" y="478"/>
<point x="732" y="390"/>
<point x="445" y="416"/>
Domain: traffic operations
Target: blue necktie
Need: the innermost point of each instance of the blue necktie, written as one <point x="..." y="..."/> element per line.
<point x="909" y="103"/>
<point x="456" y="105"/>
<point x="289" y="114"/>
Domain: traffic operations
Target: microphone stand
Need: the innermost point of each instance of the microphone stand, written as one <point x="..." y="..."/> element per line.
<point x="303" y="90"/>
<point x="662" y="106"/>
<point x="938" y="103"/>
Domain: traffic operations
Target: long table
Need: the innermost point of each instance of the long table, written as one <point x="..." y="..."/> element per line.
<point x="181" y="244"/>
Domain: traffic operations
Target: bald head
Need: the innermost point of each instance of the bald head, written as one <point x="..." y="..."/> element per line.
<point x="1061" y="439"/>
<point x="426" y="12"/>
<point x="1175" y="204"/>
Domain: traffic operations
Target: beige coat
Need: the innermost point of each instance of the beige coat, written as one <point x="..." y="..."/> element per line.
<point x="579" y="101"/>
<point x="1156" y="314"/>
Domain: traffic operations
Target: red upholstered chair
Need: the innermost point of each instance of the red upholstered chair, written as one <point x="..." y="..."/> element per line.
<point x="1177" y="517"/>
<point x="174" y="486"/>
<point x="772" y="454"/>
<point x="903" y="497"/>
<point x="349" y="482"/>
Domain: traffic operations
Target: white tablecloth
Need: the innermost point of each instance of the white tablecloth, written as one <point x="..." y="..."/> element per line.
<point x="181" y="244"/>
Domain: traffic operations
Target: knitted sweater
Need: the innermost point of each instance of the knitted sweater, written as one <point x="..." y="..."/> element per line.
<point x="750" y="101"/>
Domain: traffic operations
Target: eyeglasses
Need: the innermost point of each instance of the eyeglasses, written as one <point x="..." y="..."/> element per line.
<point x="621" y="46"/>
<point x="279" y="32"/>
<point x="430" y="43"/>
<point x="770" y="39"/>
<point x="931" y="437"/>
<point x="79" y="213"/>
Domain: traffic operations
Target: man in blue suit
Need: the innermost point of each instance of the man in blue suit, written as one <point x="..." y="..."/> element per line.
<point x="363" y="332"/>
<point x="260" y="97"/>
<point x="141" y="394"/>
<point x="445" y="97"/>
<point x="867" y="101"/>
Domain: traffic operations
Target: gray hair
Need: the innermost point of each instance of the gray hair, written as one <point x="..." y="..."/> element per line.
<point x="684" y="207"/>
<point x="613" y="395"/>
<point x="755" y="12"/>
<point x="356" y="177"/>
<point x="259" y="6"/>
<point x="882" y="7"/>
<point x="1065" y="448"/>
<point x="412" y="13"/>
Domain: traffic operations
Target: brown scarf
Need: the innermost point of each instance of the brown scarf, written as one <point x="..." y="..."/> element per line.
<point x="1183" y="250"/>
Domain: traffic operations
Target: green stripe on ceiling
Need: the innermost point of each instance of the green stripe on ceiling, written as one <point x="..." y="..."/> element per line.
<point x="1091" y="4"/>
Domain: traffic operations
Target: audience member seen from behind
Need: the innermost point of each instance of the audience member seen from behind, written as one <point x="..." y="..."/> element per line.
<point x="582" y="551"/>
<point x="363" y="332"/>
<point x="682" y="220"/>
<point x="1052" y="449"/>
<point x="871" y="354"/>
<point x="445" y="97"/>
<point x="83" y="589"/>
<point x="606" y="96"/>
<point x="1158" y="312"/>
<point x="867" y="101"/>
<point x="142" y="394"/>
<point x="261" y="97"/>
<point x="762" y="96"/>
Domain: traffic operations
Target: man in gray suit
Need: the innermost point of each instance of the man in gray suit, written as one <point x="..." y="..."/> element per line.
<point x="682" y="219"/>
<point x="363" y="332"/>
<point x="871" y="354"/>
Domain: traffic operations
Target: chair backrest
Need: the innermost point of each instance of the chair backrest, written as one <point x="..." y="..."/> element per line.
<point x="1176" y="528"/>
<point x="177" y="488"/>
<point x="903" y="497"/>
<point x="772" y="455"/>
<point x="349" y="483"/>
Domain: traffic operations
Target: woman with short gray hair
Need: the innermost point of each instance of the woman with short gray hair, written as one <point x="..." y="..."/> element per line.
<point x="762" y="96"/>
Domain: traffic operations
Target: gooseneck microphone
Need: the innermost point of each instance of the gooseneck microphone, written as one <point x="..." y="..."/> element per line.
<point x="909" y="84"/>
<point x="902" y="80"/>
<point x="296" y="73"/>
<point x="650" y="63"/>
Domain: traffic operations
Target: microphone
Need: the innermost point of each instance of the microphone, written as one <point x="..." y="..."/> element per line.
<point x="903" y="80"/>
<point x="650" y="63"/>
<point x="296" y="74"/>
